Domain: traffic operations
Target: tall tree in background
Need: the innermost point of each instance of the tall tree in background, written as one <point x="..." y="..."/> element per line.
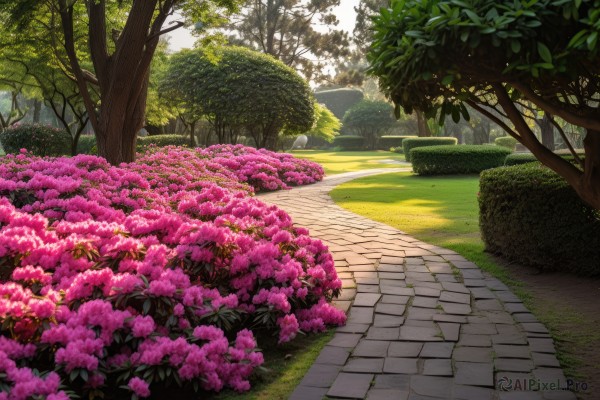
<point x="120" y="54"/>
<point x="286" y="30"/>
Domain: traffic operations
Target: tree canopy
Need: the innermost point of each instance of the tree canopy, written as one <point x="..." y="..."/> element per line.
<point x="508" y="60"/>
<point x="370" y="119"/>
<point x="242" y="91"/>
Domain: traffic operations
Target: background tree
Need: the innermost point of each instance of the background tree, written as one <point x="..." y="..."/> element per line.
<point x="327" y="126"/>
<point x="505" y="59"/>
<point x="370" y="119"/>
<point x="286" y="30"/>
<point x="120" y="53"/>
<point x="241" y="91"/>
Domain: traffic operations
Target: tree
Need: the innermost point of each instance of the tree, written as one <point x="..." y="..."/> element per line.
<point x="286" y="30"/>
<point x="370" y="119"/>
<point x="506" y="60"/>
<point x="327" y="126"/>
<point x="241" y="91"/>
<point x="120" y="54"/>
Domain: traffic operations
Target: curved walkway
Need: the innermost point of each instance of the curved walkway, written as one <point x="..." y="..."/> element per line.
<point x="424" y="323"/>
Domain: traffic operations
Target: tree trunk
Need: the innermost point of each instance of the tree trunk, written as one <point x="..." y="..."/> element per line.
<point x="37" y="110"/>
<point x="589" y="189"/>
<point x="547" y="132"/>
<point x="193" y="134"/>
<point x="424" y="130"/>
<point x="480" y="134"/>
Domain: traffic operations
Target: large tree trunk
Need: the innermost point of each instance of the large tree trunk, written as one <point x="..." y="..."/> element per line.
<point x="422" y="126"/>
<point x="37" y="109"/>
<point x="589" y="189"/>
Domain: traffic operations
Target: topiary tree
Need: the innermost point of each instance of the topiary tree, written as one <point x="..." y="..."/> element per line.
<point x="339" y="100"/>
<point x="370" y="119"/>
<point x="238" y="89"/>
<point x="506" y="60"/>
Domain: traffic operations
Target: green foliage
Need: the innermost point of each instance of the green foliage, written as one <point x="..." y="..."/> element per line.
<point x="464" y="159"/>
<point x="327" y="126"/>
<point x="40" y="140"/>
<point x="87" y="145"/>
<point x="339" y="100"/>
<point x="369" y="119"/>
<point x="162" y="140"/>
<point x="525" y="158"/>
<point x="349" y="142"/>
<point x="411" y="143"/>
<point x="506" y="141"/>
<point x="387" y="142"/>
<point x="530" y="215"/>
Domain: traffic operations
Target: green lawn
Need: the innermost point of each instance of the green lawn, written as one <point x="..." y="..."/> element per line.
<point x="337" y="162"/>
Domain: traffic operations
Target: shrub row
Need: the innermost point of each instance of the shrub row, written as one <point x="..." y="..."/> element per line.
<point x="409" y="144"/>
<point x="388" y="142"/>
<point x="162" y="140"/>
<point x="525" y="158"/>
<point x="349" y="142"/>
<point x="41" y="140"/>
<point x="506" y="141"/>
<point x="464" y="159"/>
<point x="530" y="215"/>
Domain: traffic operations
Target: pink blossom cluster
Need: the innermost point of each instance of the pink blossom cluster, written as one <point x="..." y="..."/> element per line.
<point x="145" y="273"/>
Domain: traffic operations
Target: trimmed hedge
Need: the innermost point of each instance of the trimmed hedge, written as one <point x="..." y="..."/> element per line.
<point x="530" y="215"/>
<point x="409" y="144"/>
<point x="349" y="142"/>
<point x="41" y="140"/>
<point x="163" y="140"/>
<point x="87" y="144"/>
<point x="526" y="158"/>
<point x="464" y="159"/>
<point x="387" y="142"/>
<point x="506" y="141"/>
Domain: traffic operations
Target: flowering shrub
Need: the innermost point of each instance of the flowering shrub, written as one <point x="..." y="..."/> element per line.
<point x="114" y="279"/>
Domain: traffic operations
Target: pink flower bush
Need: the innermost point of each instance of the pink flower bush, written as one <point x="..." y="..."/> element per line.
<point x="152" y="271"/>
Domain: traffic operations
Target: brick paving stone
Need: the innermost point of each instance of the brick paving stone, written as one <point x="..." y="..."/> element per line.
<point x="391" y="299"/>
<point x="437" y="350"/>
<point x="366" y="299"/>
<point x="390" y="309"/>
<point x="507" y="297"/>
<point x="361" y="315"/>
<point x="488" y="305"/>
<point x="545" y="360"/>
<point x="515" y="308"/>
<point x="367" y="281"/>
<point x="479" y="329"/>
<point x="397" y="291"/>
<point x="420" y="268"/>
<point x="480" y="293"/>
<point x="499" y="317"/>
<point x="459" y="319"/>
<point x="388" y="321"/>
<point x="474" y="282"/>
<point x="390" y="268"/>
<point x="393" y="282"/>
<point x="349" y="340"/>
<point x="392" y="260"/>
<point x="392" y="275"/>
<point x="475" y="374"/>
<point x="423" y="314"/>
<point x="453" y="297"/>
<point x="352" y="386"/>
<point x="455" y="287"/>
<point x="512" y="351"/>
<point x="364" y="365"/>
<point x="333" y="356"/>
<point x="308" y="393"/>
<point x="525" y="317"/>
<point x="424" y="302"/>
<point x="387" y="394"/>
<point x="320" y="375"/>
<point x="534" y="327"/>
<point x="428" y="292"/>
<point x="451" y="332"/>
<point x="392" y="381"/>
<point x="367" y="288"/>
<point x="420" y="276"/>
<point x="463" y="392"/>
<point x="347" y="294"/>
<point x="419" y="334"/>
<point x="509" y="339"/>
<point x="473" y="354"/>
<point x="432" y="386"/>
<point x="475" y="340"/>
<point x="524" y="395"/>
<point x="446" y="278"/>
<point x="394" y="365"/>
<point x="353" y="328"/>
<point x="455" y="308"/>
<point x="510" y="330"/>
<point x="371" y="348"/>
<point x="437" y="367"/>
<point x="343" y="305"/>
<point x="550" y="375"/>
<point x="404" y="349"/>
<point x="376" y="333"/>
<point x="513" y="365"/>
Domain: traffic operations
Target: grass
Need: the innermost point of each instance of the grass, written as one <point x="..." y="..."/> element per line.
<point x="444" y="211"/>
<point x="285" y="366"/>
<point x="337" y="162"/>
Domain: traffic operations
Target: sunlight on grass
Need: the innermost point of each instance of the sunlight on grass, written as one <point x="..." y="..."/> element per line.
<point x="338" y="162"/>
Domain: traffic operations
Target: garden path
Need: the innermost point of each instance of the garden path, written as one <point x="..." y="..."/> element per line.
<point x="423" y="322"/>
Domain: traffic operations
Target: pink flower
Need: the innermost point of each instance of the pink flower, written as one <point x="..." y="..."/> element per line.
<point x="139" y="386"/>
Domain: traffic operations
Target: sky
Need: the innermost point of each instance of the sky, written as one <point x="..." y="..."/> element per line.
<point x="182" y="38"/>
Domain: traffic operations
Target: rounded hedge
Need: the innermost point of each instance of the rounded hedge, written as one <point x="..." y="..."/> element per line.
<point x="162" y="140"/>
<point x="349" y="142"/>
<point x="387" y="142"/>
<point x="464" y="159"/>
<point x="525" y="158"/>
<point x="530" y="215"/>
<point x="506" y="141"/>
<point x="41" y="140"/>
<point x="409" y="144"/>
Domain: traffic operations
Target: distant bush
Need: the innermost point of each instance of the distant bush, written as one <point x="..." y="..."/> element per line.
<point x="464" y="159"/>
<point x="530" y="215"/>
<point x="162" y="140"/>
<point x="525" y="158"/>
<point x="409" y="144"/>
<point x="339" y="100"/>
<point x="87" y="145"/>
<point x="41" y="140"/>
<point x="349" y="142"/>
<point x="506" y="141"/>
<point x="387" y="142"/>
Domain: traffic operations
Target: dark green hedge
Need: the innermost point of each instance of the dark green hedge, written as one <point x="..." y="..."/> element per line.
<point x="87" y="144"/>
<point x="525" y="158"/>
<point x="409" y="144"/>
<point x="162" y="140"/>
<point x="348" y="142"/>
<point x="506" y="141"/>
<point x="387" y="142"/>
<point x="529" y="215"/>
<point x="41" y="140"/>
<point x="464" y="159"/>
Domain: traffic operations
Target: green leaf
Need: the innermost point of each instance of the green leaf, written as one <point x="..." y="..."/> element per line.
<point x="544" y="52"/>
<point x="592" y="40"/>
<point x="515" y="46"/>
<point x="464" y="36"/>
<point x="447" y="80"/>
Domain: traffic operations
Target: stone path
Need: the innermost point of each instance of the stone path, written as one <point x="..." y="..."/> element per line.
<point x="423" y="322"/>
